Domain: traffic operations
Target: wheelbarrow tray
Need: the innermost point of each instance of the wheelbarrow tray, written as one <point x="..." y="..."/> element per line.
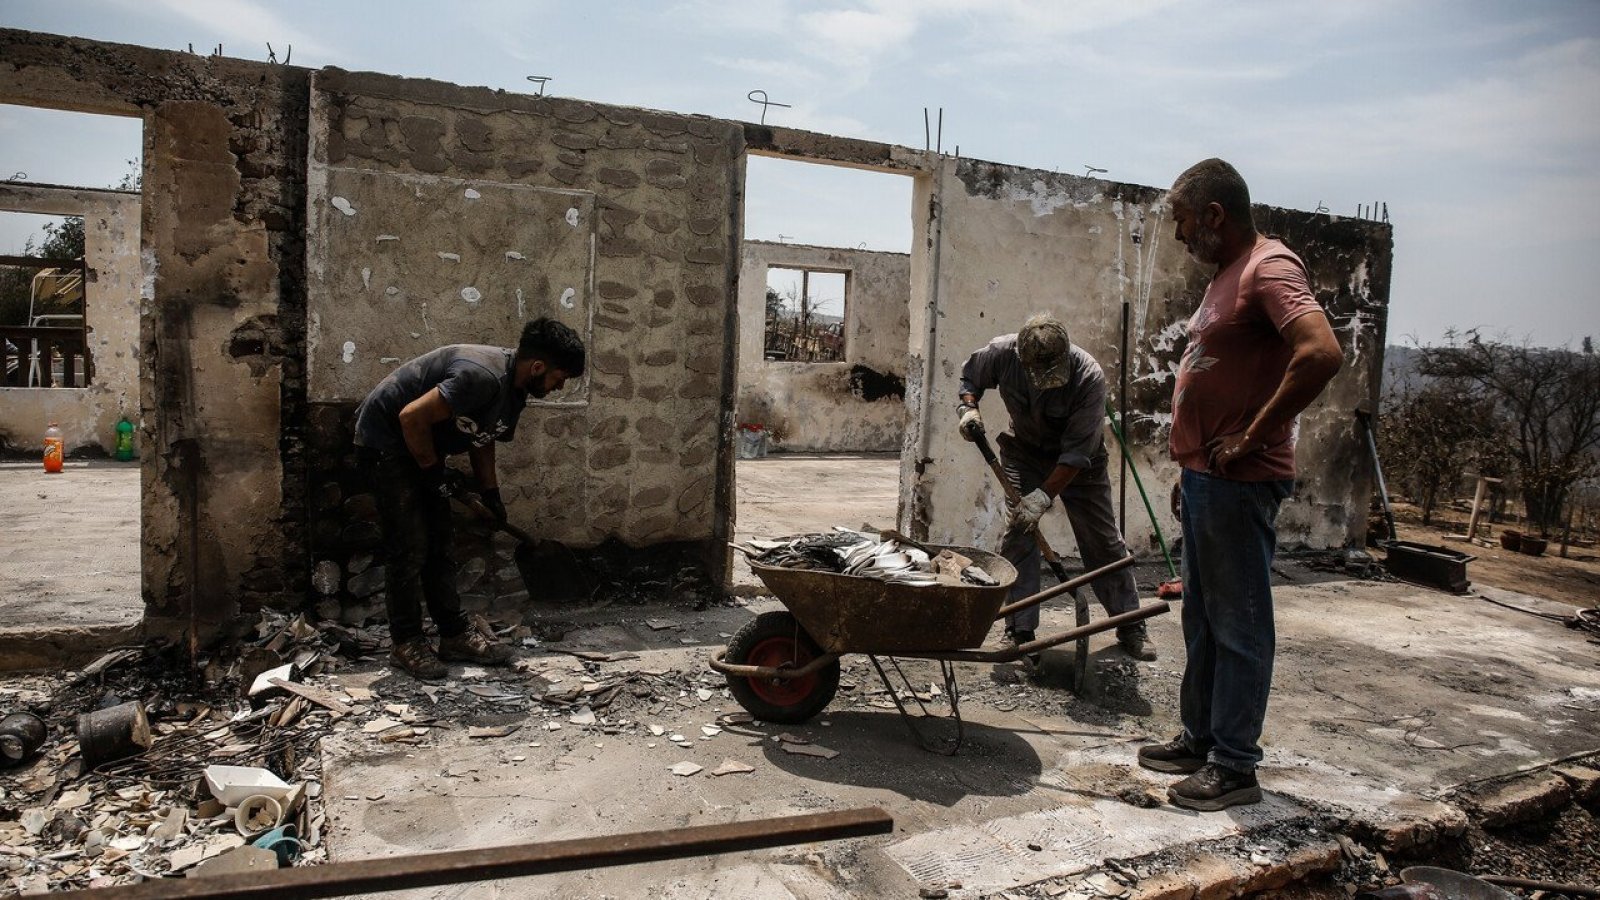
<point x="857" y="614"/>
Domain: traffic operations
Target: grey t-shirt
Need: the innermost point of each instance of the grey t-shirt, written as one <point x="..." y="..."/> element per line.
<point x="1063" y="422"/>
<point x="474" y="379"/>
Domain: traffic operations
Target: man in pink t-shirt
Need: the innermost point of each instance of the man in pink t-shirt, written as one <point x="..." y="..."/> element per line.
<point x="1260" y="350"/>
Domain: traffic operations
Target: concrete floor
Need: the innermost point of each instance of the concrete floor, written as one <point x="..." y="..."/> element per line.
<point x="1385" y="694"/>
<point x="71" y="546"/>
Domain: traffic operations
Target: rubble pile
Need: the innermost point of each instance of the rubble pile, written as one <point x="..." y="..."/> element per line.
<point x="144" y="755"/>
<point x="884" y="555"/>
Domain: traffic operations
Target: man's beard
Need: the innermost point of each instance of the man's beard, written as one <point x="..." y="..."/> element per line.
<point x="536" y="388"/>
<point x="1206" y="245"/>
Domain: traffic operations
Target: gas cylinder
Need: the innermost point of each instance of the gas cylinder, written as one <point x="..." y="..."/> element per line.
<point x="52" y="448"/>
<point x="124" y="449"/>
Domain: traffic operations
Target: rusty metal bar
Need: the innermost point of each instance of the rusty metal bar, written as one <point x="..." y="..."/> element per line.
<point x="719" y="662"/>
<point x="461" y="866"/>
<point x="1054" y="640"/>
<point x="1064" y="587"/>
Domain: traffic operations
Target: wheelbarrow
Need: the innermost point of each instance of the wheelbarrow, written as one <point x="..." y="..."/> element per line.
<point x="783" y="666"/>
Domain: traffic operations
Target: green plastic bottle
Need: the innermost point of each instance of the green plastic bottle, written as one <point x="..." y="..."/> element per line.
<point x="124" y="450"/>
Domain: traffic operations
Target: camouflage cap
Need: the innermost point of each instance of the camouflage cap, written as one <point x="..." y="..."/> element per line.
<point x="1044" y="348"/>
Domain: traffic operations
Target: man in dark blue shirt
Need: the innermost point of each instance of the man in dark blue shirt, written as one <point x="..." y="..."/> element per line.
<point x="462" y="398"/>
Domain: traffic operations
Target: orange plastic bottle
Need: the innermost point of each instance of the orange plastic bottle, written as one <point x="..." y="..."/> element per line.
<point x="52" y="448"/>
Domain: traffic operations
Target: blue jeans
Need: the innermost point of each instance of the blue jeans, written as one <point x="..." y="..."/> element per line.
<point x="1229" y="536"/>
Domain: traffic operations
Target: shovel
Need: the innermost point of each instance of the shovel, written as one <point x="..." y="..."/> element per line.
<point x="549" y="569"/>
<point x="1080" y="603"/>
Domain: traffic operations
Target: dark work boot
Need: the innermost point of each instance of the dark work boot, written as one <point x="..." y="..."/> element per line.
<point x="417" y="658"/>
<point x="1135" y="641"/>
<point x="1177" y="756"/>
<point x="1014" y="639"/>
<point x="1215" y="787"/>
<point x="471" y="646"/>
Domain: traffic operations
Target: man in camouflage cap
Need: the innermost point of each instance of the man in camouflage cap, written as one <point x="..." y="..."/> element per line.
<point x="1055" y="396"/>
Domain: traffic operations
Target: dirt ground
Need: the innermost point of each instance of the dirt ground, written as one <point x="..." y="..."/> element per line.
<point x="1386" y="696"/>
<point x="71" y="544"/>
<point x="1574" y="580"/>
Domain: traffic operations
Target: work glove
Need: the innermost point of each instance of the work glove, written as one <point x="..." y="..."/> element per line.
<point x="971" y="425"/>
<point x="439" y="480"/>
<point x="493" y="503"/>
<point x="1026" y="514"/>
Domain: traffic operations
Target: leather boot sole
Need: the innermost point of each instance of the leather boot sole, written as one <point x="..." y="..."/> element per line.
<point x="1240" y="797"/>
<point x="1172" y="766"/>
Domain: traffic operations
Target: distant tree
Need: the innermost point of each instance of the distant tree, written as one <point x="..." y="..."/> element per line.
<point x="63" y="240"/>
<point x="1549" y="401"/>
<point x="1428" y="436"/>
<point x="1588" y="345"/>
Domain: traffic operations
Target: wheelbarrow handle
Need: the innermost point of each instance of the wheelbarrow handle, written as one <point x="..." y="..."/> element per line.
<point x="1054" y="640"/>
<point x="1064" y="587"/>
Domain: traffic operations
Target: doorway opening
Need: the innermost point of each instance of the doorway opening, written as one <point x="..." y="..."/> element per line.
<point x="824" y="310"/>
<point x="70" y="282"/>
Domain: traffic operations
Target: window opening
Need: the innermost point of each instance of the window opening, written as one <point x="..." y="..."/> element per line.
<point x="44" y="337"/>
<point x="805" y="315"/>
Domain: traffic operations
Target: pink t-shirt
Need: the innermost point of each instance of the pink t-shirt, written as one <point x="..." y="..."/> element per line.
<point x="1236" y="360"/>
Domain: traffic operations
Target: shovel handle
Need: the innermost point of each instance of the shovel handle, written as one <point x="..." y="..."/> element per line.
<point x="473" y="503"/>
<point x="1013" y="498"/>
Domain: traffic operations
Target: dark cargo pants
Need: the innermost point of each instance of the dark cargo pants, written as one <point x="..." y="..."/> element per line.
<point x="416" y="539"/>
<point x="1088" y="503"/>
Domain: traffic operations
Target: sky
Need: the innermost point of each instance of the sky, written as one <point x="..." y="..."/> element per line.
<point x="1476" y="122"/>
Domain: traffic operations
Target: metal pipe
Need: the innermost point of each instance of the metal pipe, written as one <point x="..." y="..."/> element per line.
<point x="1122" y="416"/>
<point x="1050" y="593"/>
<point x="719" y="662"/>
<point x="1529" y="884"/>
<point x="461" y="866"/>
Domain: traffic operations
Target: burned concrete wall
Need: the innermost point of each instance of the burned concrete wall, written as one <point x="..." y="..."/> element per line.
<point x="88" y="415"/>
<point x="1004" y="242"/>
<point x="442" y="214"/>
<point x="855" y="405"/>
<point x="221" y="385"/>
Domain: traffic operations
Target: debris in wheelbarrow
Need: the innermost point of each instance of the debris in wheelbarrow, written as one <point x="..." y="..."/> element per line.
<point x="886" y="556"/>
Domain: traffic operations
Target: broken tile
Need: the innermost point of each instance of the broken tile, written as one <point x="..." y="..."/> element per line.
<point x="660" y="624"/>
<point x="379" y="724"/>
<point x="172" y="826"/>
<point x="584" y="716"/>
<point x="657" y="730"/>
<point x="710" y="730"/>
<point x="809" y="750"/>
<point x="732" y="767"/>
<point x="685" y="769"/>
<point x="704" y="694"/>
<point x="790" y="738"/>
<point x="74" y="799"/>
<point x="236" y="861"/>
<point x="491" y="731"/>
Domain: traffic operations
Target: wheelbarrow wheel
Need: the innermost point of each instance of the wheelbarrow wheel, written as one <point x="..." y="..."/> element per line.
<point x="776" y="639"/>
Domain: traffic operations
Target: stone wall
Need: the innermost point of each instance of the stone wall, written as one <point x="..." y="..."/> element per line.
<point x="442" y="214"/>
<point x="857" y="405"/>
<point x="1005" y="242"/>
<point x="87" y="416"/>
